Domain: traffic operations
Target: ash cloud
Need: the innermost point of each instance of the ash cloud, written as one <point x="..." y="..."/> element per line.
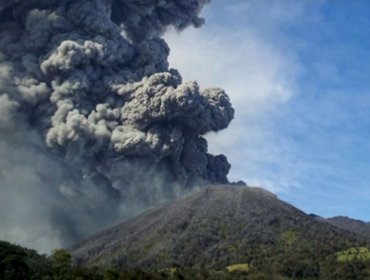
<point x="94" y="125"/>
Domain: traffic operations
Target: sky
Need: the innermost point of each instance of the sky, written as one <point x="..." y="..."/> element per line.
<point x="297" y="73"/>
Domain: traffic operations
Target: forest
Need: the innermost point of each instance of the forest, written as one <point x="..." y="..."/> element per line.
<point x="18" y="263"/>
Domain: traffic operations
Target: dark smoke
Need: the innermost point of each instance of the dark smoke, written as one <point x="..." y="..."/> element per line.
<point x="94" y="125"/>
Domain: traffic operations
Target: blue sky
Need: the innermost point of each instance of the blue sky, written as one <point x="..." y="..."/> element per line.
<point x="297" y="73"/>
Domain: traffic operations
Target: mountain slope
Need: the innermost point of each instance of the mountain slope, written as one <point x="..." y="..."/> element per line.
<point x="346" y="223"/>
<point x="214" y="228"/>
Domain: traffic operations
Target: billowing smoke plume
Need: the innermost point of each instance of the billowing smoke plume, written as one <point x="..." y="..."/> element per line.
<point x="94" y="125"/>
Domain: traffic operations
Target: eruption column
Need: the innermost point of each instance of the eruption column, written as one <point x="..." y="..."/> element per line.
<point x="93" y="122"/>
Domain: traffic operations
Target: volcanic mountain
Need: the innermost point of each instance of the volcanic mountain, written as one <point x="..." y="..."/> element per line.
<point x="214" y="228"/>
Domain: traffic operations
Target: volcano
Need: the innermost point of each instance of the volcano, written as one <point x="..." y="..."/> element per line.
<point x="214" y="228"/>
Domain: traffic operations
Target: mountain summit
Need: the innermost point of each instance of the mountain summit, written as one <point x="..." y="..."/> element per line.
<point x="216" y="227"/>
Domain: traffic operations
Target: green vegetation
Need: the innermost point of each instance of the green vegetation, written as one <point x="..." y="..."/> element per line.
<point x="238" y="267"/>
<point x="354" y="254"/>
<point x="288" y="237"/>
<point x="280" y="263"/>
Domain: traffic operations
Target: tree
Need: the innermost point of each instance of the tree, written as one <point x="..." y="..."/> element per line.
<point x="111" y="273"/>
<point x="61" y="263"/>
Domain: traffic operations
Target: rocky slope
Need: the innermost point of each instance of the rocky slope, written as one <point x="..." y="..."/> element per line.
<point x="214" y="228"/>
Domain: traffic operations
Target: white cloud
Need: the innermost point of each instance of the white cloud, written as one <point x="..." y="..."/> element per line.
<point x="259" y="78"/>
<point x="255" y="74"/>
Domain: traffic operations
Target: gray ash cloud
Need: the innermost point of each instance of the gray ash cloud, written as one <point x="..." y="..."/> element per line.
<point x="94" y="125"/>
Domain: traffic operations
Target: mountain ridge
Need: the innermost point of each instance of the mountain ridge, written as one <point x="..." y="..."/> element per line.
<point x="354" y="225"/>
<point x="214" y="227"/>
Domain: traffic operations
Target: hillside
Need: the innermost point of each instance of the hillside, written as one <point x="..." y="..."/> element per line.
<point x="218" y="227"/>
<point x="17" y="262"/>
<point x="356" y="226"/>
